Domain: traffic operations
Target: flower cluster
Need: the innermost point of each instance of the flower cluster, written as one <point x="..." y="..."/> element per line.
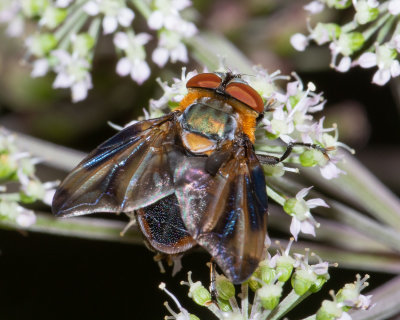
<point x="268" y="283"/>
<point x="370" y="39"/>
<point x="68" y="30"/>
<point x="19" y="167"/>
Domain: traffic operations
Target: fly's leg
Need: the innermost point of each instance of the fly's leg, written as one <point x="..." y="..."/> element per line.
<point x="271" y="160"/>
<point x="213" y="282"/>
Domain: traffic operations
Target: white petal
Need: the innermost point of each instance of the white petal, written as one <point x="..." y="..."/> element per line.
<point x="140" y="71"/>
<point x="121" y="40"/>
<point x="40" y="68"/>
<point x="295" y="226"/>
<point x="79" y="91"/>
<point x="160" y="56"/>
<point x="303" y="192"/>
<point x="142" y="38"/>
<point x="345" y="316"/>
<point x="155" y="21"/>
<point x="307" y="227"/>
<point x="63" y="80"/>
<point x="344" y="64"/>
<point x="63" y="56"/>
<point x="299" y="41"/>
<point x="124" y="67"/>
<point x="25" y="218"/>
<point x="63" y="3"/>
<point x="15" y="28"/>
<point x="330" y="171"/>
<point x="110" y="24"/>
<point x="125" y="17"/>
<point x="179" y="53"/>
<point x="394" y="7"/>
<point x="367" y="60"/>
<point x="395" y="68"/>
<point x="381" y="77"/>
<point x="314" y="7"/>
<point x="48" y="197"/>
<point x="312" y="203"/>
<point x="91" y="8"/>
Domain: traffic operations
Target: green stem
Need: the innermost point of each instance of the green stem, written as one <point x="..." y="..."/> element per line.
<point x="287" y="304"/>
<point x="311" y="317"/>
<point x="72" y="19"/>
<point x="75" y="28"/>
<point x="370" y="31"/>
<point x="87" y="228"/>
<point x="385" y="30"/>
<point x="276" y="196"/>
<point x="142" y="7"/>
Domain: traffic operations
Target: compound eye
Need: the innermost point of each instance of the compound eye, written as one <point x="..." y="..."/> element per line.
<point x="246" y="94"/>
<point x="204" y="80"/>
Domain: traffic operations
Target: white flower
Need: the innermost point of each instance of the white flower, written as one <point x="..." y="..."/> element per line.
<point x="166" y="14"/>
<point x="299" y="209"/>
<point x="134" y="62"/>
<point x="40" y="68"/>
<point x="115" y="12"/>
<point x="314" y="7"/>
<point x="299" y="41"/>
<point x="170" y="46"/>
<point x="385" y="59"/>
<point x="10" y="13"/>
<point x="25" y="218"/>
<point x="394" y="7"/>
<point x="72" y="72"/>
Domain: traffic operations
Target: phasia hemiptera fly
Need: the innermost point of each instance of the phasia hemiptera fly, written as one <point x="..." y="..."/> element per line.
<point x="192" y="176"/>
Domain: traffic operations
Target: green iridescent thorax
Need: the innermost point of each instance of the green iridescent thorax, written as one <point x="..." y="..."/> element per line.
<point x="211" y="119"/>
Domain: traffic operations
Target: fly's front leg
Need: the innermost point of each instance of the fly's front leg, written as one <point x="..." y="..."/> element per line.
<point x="271" y="160"/>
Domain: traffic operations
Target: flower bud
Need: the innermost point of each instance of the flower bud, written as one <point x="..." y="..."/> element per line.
<point x="225" y="288"/>
<point x="53" y="17"/>
<point x="302" y="280"/>
<point x="270" y="295"/>
<point x="329" y="311"/>
<point x="82" y="44"/>
<point x="319" y="283"/>
<point x="293" y="206"/>
<point x="350" y="42"/>
<point x="365" y="13"/>
<point x="34" y="8"/>
<point x="338" y="4"/>
<point x="253" y="283"/>
<point x="309" y="158"/>
<point x="224" y="305"/>
<point x="41" y="44"/>
<point x="8" y="167"/>
<point x="274" y="171"/>
<point x="325" y="32"/>
<point x="199" y="293"/>
<point x="267" y="274"/>
<point x="284" y="266"/>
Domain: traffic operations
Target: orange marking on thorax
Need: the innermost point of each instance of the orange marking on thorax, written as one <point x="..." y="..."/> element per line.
<point x="247" y="116"/>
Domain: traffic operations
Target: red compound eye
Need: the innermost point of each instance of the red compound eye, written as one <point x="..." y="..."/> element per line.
<point x="204" y="80"/>
<point x="246" y="94"/>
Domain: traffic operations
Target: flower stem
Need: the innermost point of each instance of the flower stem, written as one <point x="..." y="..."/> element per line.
<point x="370" y="31"/>
<point x="287" y="304"/>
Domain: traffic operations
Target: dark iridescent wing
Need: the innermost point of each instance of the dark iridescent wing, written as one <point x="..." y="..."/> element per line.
<point x="162" y="225"/>
<point x="131" y="170"/>
<point x="226" y="213"/>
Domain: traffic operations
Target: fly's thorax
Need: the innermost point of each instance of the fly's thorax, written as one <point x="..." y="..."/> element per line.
<point x="245" y="117"/>
<point x="205" y="123"/>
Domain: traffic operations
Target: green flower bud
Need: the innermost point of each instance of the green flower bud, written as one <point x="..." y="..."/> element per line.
<point x="348" y="293"/>
<point x="224" y="305"/>
<point x="34" y="8"/>
<point x="319" y="283"/>
<point x="338" y="4"/>
<point x="269" y="295"/>
<point x="325" y="32"/>
<point x="82" y="44"/>
<point x="328" y="311"/>
<point x="274" y="171"/>
<point x="267" y="274"/>
<point x="42" y="44"/>
<point x="350" y="42"/>
<point x="299" y="208"/>
<point x="225" y="288"/>
<point x="199" y="294"/>
<point x="302" y="281"/>
<point x="54" y="16"/>
<point x="365" y="13"/>
<point x="8" y="167"/>
<point x="284" y="266"/>
<point x="307" y="158"/>
<point x="252" y="282"/>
